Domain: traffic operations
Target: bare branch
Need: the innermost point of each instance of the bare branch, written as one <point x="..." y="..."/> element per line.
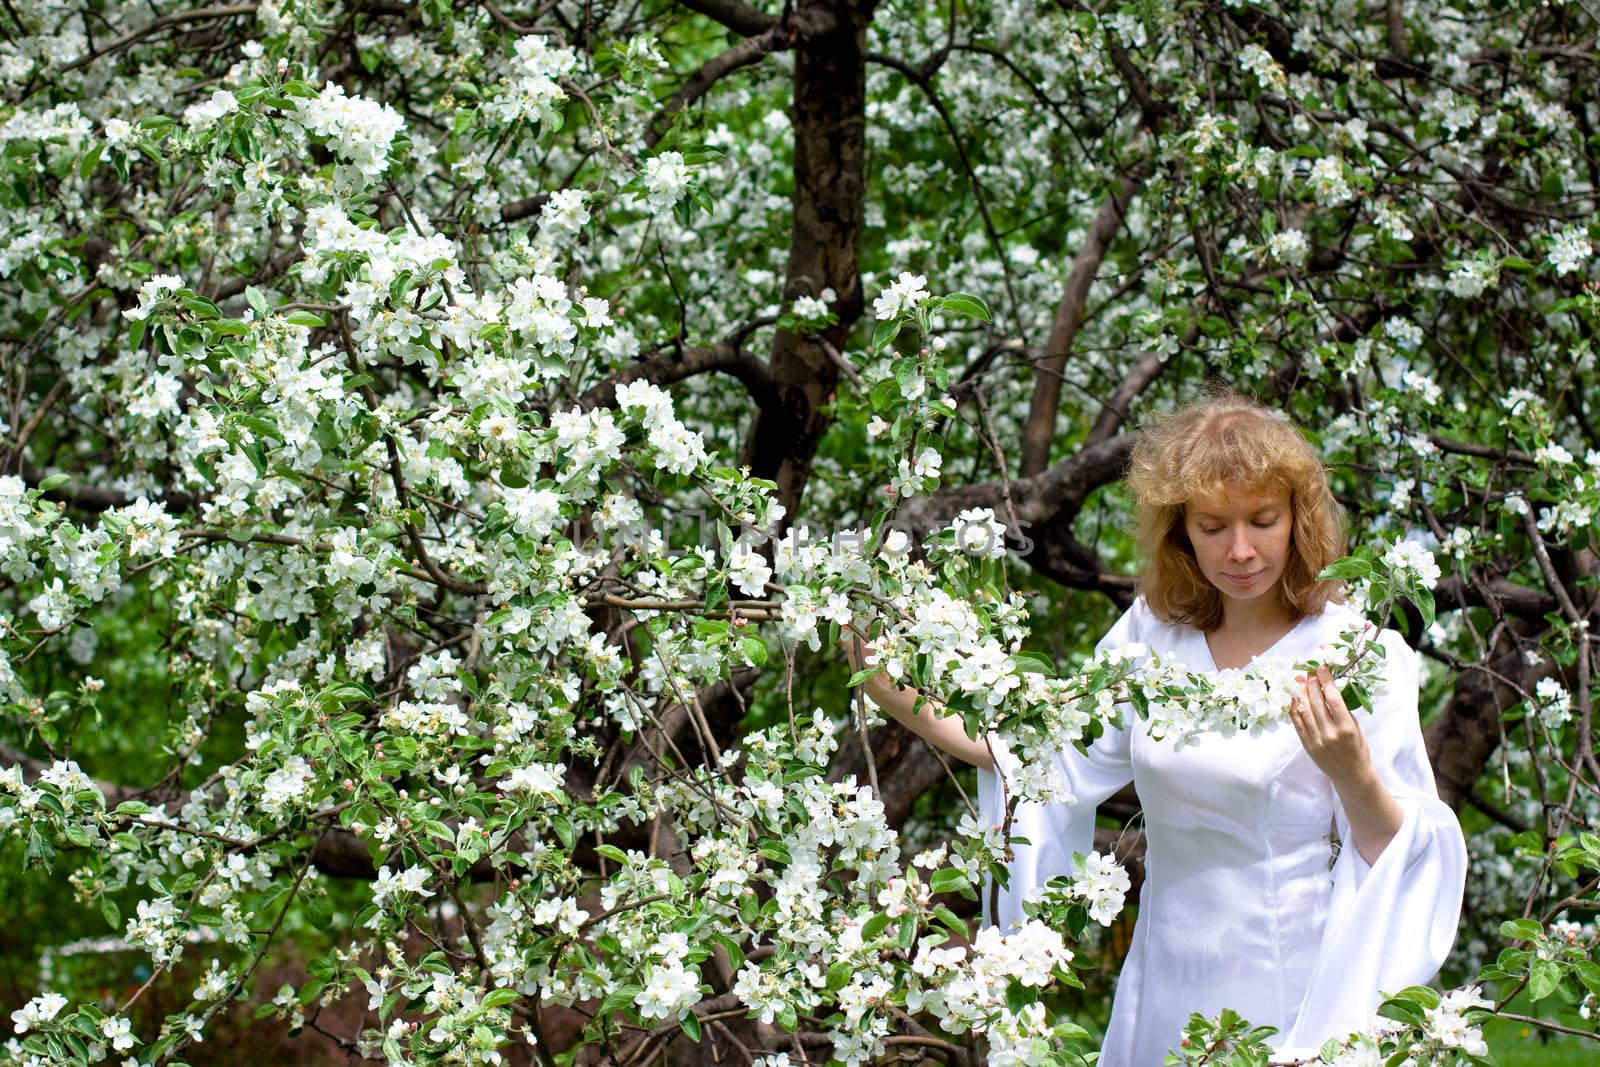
<point x="738" y="17"/>
<point x="1453" y="594"/>
<point x="1049" y="496"/>
<point x="1041" y="425"/>
<point x="751" y="50"/>
<point x="727" y="356"/>
<point x="176" y="18"/>
<point x="57" y="391"/>
<point x="521" y="209"/>
<point x="1114" y="411"/>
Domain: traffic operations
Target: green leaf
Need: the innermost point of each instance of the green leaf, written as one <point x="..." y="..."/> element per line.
<point x="884" y="395"/>
<point x="38" y="853"/>
<point x="1423" y="599"/>
<point x="91" y="159"/>
<point x="968" y="305"/>
<point x="885" y="332"/>
<point x="1033" y="663"/>
<point x="28" y="276"/>
<point x="716" y="592"/>
<point x="948" y="879"/>
<point x="952" y="922"/>
<point x="1403" y="1010"/>
<point x="839" y="975"/>
<point x="513" y="475"/>
<point x="1425" y="996"/>
<point x="304" y="318"/>
<point x="1543" y="978"/>
<point x="55" y="481"/>
<point x="1350" y="568"/>
<point x="257" y="300"/>
<point x="691" y="1025"/>
<point x="908" y="932"/>
<point x="1521" y="930"/>
<point x="200" y="306"/>
<point x="618" y="999"/>
<point x="498" y="997"/>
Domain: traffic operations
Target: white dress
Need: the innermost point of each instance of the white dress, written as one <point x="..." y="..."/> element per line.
<point x="1239" y="908"/>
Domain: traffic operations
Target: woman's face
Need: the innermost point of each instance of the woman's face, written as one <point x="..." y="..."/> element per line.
<point x="1241" y="539"/>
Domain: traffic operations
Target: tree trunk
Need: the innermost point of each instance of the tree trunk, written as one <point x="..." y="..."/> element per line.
<point x="829" y="116"/>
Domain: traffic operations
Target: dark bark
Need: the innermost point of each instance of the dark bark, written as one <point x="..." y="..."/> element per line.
<point x="1464" y="736"/>
<point x="829" y="118"/>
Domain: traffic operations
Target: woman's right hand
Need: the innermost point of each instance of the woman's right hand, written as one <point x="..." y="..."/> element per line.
<point x="944" y="732"/>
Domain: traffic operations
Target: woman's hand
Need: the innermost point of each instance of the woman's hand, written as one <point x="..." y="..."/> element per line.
<point x="1330" y="734"/>
<point x="1335" y="743"/>
<point x="944" y="732"/>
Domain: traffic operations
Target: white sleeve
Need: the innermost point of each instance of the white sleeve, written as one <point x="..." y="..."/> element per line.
<point x="1390" y="923"/>
<point x="1044" y="836"/>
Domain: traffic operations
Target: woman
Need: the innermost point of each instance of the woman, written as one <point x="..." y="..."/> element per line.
<point x="1248" y="901"/>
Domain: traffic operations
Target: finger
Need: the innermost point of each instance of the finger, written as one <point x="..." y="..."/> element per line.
<point x="1310" y="720"/>
<point x="1338" y="723"/>
<point x="1332" y="698"/>
<point x="1297" y="716"/>
<point x="1316" y="708"/>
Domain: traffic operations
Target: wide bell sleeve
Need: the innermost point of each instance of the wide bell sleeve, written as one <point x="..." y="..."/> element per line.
<point x="1390" y="923"/>
<point x="1051" y="833"/>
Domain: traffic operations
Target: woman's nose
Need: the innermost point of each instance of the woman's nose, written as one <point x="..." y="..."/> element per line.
<point x="1239" y="546"/>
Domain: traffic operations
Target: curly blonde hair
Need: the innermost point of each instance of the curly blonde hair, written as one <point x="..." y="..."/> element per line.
<point x="1217" y="447"/>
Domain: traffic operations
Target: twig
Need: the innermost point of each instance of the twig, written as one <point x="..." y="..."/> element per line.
<point x="203" y="14"/>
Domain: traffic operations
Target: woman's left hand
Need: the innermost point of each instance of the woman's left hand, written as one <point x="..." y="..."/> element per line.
<point x="1333" y="740"/>
<point x="1330" y="734"/>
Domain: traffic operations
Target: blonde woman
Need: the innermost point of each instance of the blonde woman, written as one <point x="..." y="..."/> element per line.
<point x="1249" y="902"/>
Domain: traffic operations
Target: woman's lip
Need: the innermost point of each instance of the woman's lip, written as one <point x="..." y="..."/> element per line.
<point x="1242" y="579"/>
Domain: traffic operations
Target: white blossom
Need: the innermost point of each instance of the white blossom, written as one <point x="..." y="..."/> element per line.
<point x="1410" y="561"/>
<point x="152" y="295"/>
<point x="904" y="294"/>
<point x="1104" y="884"/>
<point x="666" y="179"/>
<point x="1570" y="251"/>
<point x="1289" y="246"/>
<point x="41" y="1009"/>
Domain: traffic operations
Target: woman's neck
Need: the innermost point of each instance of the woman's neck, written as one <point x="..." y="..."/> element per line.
<point x="1248" y="628"/>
